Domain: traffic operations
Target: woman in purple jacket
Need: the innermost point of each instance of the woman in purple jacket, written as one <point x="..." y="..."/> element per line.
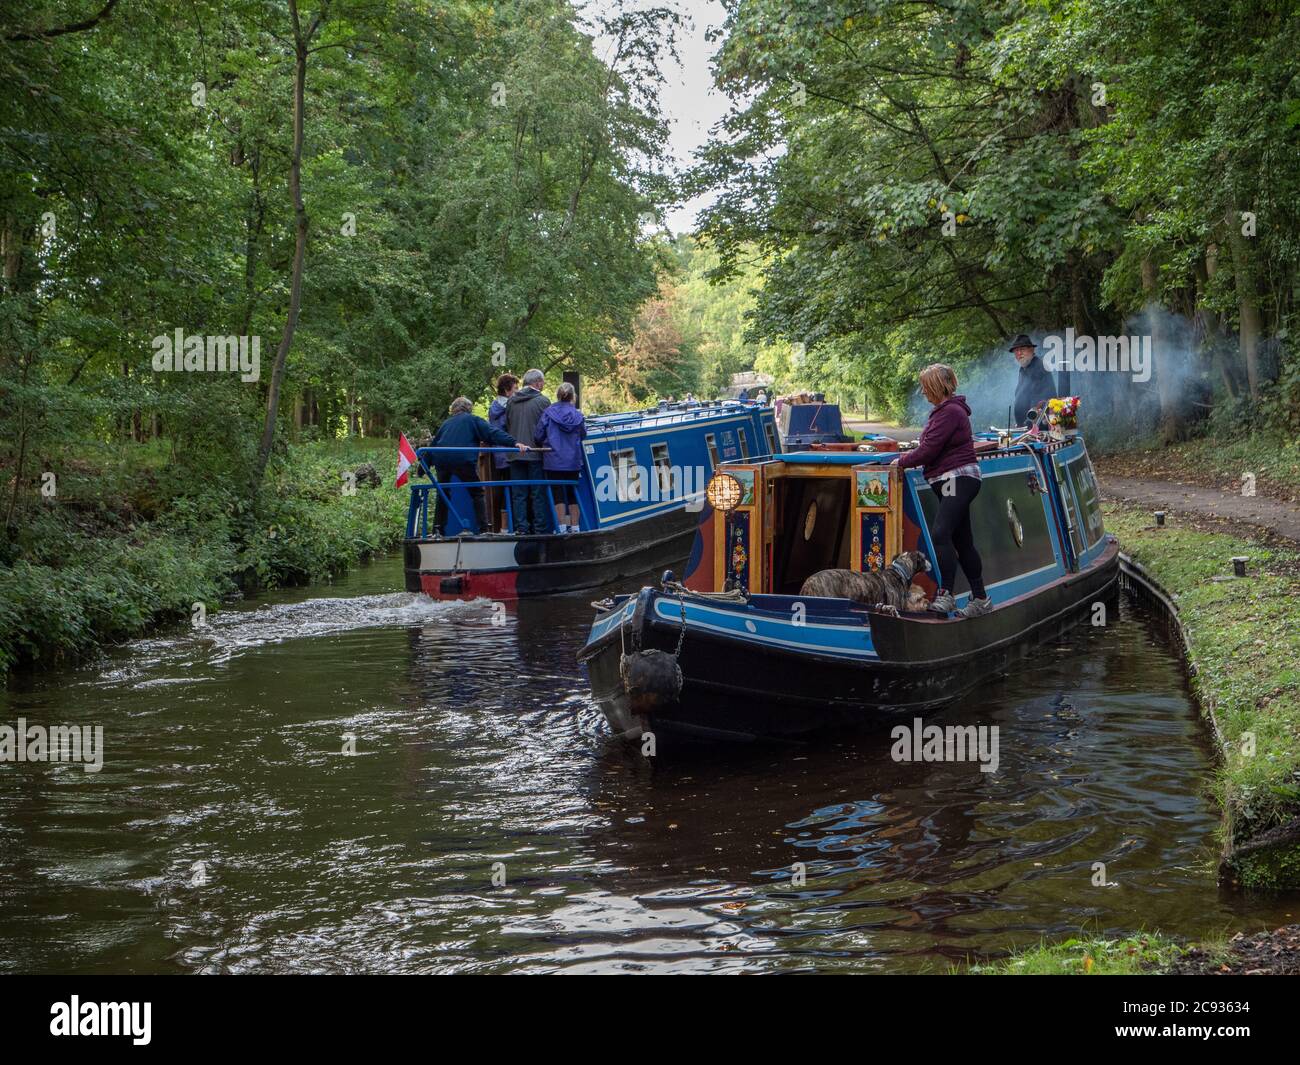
<point x="946" y="455"/>
<point x="562" y="429"/>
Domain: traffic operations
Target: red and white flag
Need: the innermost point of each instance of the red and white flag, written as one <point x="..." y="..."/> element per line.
<point x="405" y="460"/>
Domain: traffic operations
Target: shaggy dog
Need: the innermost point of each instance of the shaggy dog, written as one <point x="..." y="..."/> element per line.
<point x="890" y="587"/>
<point x="916" y="600"/>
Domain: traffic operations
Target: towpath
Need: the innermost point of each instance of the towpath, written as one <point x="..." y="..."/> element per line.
<point x="857" y="425"/>
<point x="1276" y="516"/>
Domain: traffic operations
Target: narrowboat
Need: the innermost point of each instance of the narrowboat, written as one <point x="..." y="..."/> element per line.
<point x="734" y="652"/>
<point x="818" y="426"/>
<point x="801" y="424"/>
<point x="640" y="492"/>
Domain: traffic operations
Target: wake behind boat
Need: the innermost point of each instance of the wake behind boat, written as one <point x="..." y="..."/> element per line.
<point x="736" y="652"/>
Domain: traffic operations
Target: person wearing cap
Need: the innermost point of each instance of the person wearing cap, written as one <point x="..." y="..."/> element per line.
<point x="1035" y="385"/>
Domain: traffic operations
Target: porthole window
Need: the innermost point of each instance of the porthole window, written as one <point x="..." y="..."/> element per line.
<point x="810" y="520"/>
<point x="1013" y="520"/>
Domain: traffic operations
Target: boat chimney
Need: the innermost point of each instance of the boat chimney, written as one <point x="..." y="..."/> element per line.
<point x="572" y="377"/>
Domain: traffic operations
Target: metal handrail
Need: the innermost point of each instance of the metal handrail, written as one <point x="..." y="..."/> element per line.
<point x="420" y="492"/>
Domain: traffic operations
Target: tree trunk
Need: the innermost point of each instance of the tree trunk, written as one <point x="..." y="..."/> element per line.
<point x="1247" y="300"/>
<point x="1171" y="418"/>
<point x="301" y="41"/>
<point x="1211" y="324"/>
<point x="254" y="215"/>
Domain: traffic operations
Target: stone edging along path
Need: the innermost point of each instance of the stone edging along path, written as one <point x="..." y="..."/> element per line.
<point x="1268" y="856"/>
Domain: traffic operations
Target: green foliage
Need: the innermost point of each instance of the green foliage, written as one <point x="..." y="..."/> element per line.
<point x="475" y="180"/>
<point x="1089" y="956"/>
<point x="99" y="572"/>
<point x="919" y="182"/>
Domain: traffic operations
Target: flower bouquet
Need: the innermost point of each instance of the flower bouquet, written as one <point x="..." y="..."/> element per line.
<point x="1063" y="413"/>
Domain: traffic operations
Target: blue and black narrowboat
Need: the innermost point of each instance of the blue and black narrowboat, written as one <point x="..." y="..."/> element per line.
<point x="640" y="492"/>
<point x="734" y="652"/>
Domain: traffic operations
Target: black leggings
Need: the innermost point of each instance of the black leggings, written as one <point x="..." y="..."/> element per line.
<point x="951" y="533"/>
<point x="564" y="490"/>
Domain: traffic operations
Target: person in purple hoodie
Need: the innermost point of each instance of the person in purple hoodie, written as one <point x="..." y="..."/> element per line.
<point x="562" y="428"/>
<point x="946" y="455"/>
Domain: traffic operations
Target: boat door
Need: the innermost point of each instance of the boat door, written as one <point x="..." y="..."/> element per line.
<point x="1080" y="502"/>
<point x="876" y="524"/>
<point x="738" y="540"/>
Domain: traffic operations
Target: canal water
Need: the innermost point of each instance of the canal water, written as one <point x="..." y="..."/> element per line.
<point x="232" y="829"/>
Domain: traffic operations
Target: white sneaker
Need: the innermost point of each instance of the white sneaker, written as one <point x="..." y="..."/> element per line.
<point x="976" y="607"/>
<point x="943" y="603"/>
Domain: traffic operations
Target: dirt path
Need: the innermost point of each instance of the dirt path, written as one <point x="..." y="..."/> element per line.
<point x="1283" y="519"/>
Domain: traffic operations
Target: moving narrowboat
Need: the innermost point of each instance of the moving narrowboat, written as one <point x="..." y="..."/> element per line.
<point x="735" y="652"/>
<point x="640" y="492"/>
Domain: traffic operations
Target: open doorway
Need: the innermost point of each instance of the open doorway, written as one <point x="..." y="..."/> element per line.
<point x="811" y="529"/>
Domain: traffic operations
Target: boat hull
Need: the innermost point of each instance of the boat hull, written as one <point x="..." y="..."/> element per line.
<point x="739" y="690"/>
<point x="519" y="567"/>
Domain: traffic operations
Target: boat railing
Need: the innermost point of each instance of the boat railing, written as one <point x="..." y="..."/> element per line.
<point x="670" y="415"/>
<point x="418" y="512"/>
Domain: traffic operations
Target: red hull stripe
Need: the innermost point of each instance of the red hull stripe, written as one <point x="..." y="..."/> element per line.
<point x="500" y="585"/>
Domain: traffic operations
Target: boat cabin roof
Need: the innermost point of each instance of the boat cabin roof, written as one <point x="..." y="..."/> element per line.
<point x="824" y="458"/>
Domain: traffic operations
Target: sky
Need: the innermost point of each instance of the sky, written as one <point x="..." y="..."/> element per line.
<point x="688" y="98"/>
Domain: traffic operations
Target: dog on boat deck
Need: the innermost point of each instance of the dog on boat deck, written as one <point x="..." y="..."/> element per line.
<point x="892" y="586"/>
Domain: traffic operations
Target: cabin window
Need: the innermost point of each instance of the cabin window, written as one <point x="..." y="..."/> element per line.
<point x="1087" y="511"/>
<point x="628" y="486"/>
<point x="663" y="469"/>
<point x="773" y="448"/>
<point x="1009" y="523"/>
<point x="712" y="441"/>
<point x="744" y="443"/>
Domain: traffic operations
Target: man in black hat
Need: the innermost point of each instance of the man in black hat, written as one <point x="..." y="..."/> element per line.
<point x="1035" y="385"/>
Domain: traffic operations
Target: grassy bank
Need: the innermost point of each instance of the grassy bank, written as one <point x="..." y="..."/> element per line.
<point x="121" y="547"/>
<point x="1244" y="644"/>
<point x="1090" y="956"/>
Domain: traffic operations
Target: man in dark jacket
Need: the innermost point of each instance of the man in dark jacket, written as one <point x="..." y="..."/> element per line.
<point x="467" y="429"/>
<point x="1035" y="385"/>
<point x="528" y="502"/>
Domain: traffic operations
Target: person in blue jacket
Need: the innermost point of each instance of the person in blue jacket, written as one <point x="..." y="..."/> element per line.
<point x="465" y="429"/>
<point x="562" y="428"/>
<point x="506" y="385"/>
